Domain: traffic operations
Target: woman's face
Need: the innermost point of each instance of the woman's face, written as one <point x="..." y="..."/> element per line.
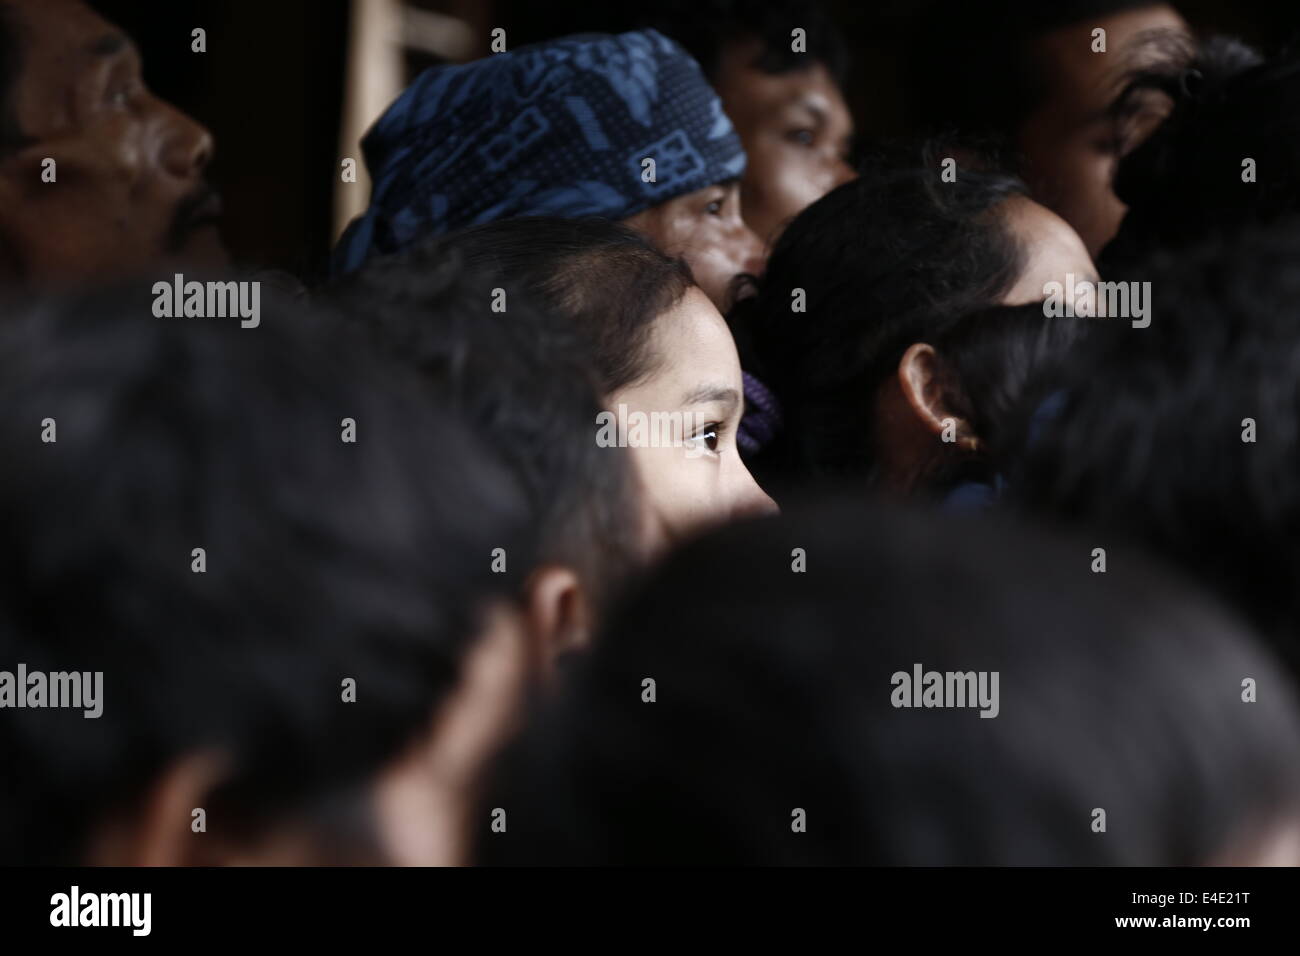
<point x="694" y="394"/>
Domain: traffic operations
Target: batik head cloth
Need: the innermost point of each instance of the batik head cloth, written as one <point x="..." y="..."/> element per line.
<point x="556" y="129"/>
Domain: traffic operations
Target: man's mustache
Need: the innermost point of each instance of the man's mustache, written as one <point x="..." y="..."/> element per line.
<point x="200" y="208"/>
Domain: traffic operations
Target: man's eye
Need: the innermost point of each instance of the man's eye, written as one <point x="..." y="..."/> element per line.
<point x="714" y="208"/>
<point x="804" y="137"/>
<point x="119" y="97"/>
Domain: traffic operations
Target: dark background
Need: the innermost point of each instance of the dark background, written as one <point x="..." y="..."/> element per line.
<point x="270" y="86"/>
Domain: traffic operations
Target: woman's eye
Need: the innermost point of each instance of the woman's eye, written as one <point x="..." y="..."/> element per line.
<point x="709" y="436"/>
<point x="119" y="97"/>
<point x="804" y="137"/>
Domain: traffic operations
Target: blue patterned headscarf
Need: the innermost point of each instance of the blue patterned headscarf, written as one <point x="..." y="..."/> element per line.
<point x="554" y="129"/>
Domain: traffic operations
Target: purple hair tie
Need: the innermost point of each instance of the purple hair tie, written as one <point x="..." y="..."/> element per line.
<point x="762" y="418"/>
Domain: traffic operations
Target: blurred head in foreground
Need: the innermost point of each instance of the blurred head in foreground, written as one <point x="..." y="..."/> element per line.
<point x="1185" y="435"/>
<point x="277" y="556"/>
<point x="524" y="377"/>
<point x="858" y="687"/>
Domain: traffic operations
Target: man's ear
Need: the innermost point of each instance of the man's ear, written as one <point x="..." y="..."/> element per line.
<point x="557" y="616"/>
<point x="920" y="376"/>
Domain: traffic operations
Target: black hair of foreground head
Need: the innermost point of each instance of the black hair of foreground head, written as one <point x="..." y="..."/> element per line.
<point x="1118" y="691"/>
<point x="524" y="377"/>
<point x="1150" y="445"/>
<point x="325" y="560"/>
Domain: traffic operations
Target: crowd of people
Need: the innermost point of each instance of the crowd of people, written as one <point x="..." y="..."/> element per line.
<point x="668" y="471"/>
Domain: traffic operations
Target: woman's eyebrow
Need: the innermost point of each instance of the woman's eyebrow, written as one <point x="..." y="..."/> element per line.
<point x="707" y="394"/>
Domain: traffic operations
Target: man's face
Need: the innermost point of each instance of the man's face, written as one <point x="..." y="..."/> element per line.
<point x="706" y="229"/>
<point x="1070" y="142"/>
<point x="796" y="129"/>
<point x="128" y="187"/>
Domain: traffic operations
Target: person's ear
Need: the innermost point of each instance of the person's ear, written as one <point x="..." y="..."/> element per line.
<point x="161" y="829"/>
<point x="557" y="616"/>
<point x="425" y="800"/>
<point x="920" y="376"/>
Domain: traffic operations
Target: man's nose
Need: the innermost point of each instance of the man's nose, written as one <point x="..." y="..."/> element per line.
<point x="187" y="145"/>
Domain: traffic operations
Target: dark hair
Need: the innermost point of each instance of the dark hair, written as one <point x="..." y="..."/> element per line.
<point x="774" y="691"/>
<point x="602" y="276"/>
<point x="325" y="559"/>
<point x="883" y="262"/>
<point x="705" y="27"/>
<point x="1149" y="442"/>
<point x="1000" y="364"/>
<point x="980" y="74"/>
<point x="522" y="376"/>
<point x="1185" y="181"/>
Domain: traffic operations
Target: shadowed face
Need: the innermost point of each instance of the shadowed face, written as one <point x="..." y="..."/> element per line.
<point x="796" y="130"/>
<point x="125" y="186"/>
<point x="706" y="229"/>
<point x="1069" y="142"/>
